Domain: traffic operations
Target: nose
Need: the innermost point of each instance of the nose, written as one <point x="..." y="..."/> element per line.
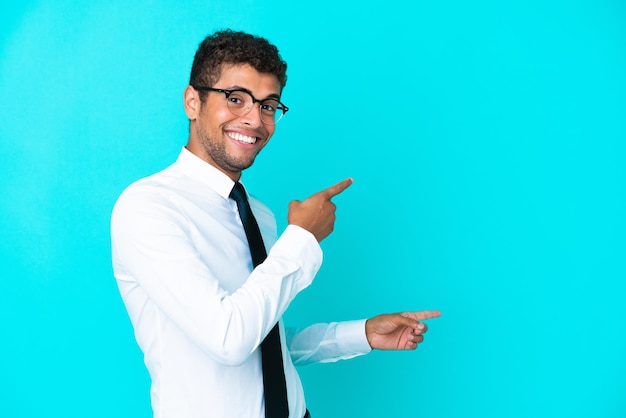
<point x="253" y="117"/>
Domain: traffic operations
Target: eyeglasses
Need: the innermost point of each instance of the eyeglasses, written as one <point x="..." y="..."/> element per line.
<point x="240" y="103"/>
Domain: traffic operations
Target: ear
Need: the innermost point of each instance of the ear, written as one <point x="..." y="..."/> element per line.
<point x="191" y="101"/>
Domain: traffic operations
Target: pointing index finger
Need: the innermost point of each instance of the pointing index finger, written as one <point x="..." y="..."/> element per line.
<point x="333" y="191"/>
<point x="423" y="315"/>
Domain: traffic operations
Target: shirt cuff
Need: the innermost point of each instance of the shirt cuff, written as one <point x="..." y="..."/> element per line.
<point x="352" y="336"/>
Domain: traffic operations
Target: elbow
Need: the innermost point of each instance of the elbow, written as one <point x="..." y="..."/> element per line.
<point x="233" y="347"/>
<point x="233" y="335"/>
<point x="233" y="355"/>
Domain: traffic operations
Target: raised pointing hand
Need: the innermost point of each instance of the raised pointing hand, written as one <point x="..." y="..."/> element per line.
<point x="316" y="214"/>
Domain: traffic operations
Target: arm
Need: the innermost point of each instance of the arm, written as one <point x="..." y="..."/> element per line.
<point x="154" y="252"/>
<point x="344" y="340"/>
<point x="324" y="343"/>
<point x="160" y="270"/>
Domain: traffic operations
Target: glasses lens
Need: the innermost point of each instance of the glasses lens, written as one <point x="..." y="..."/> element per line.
<point x="271" y="111"/>
<point x="239" y="102"/>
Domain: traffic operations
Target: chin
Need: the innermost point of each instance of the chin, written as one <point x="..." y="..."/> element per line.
<point x="235" y="166"/>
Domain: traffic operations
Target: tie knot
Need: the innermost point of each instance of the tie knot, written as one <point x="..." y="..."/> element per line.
<point x="238" y="194"/>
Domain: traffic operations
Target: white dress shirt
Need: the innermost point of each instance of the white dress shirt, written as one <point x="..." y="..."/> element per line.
<point x="200" y="312"/>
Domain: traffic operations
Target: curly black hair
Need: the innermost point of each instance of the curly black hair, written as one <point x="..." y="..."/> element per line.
<point x="231" y="47"/>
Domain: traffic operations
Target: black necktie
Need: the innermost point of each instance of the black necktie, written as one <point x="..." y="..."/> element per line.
<point x="274" y="383"/>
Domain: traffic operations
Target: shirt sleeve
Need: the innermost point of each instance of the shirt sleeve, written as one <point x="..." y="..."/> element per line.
<point x="323" y="343"/>
<point x="157" y="263"/>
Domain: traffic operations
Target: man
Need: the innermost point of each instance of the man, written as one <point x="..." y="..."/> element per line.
<point x="183" y="250"/>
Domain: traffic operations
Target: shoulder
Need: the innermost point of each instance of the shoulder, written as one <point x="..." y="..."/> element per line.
<point x="258" y="206"/>
<point x="260" y="210"/>
<point x="148" y="194"/>
<point x="266" y="220"/>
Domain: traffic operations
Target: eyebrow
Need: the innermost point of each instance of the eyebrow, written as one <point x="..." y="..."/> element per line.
<point x="271" y="96"/>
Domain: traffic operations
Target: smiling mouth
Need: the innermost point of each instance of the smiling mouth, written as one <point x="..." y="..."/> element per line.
<point x="242" y="138"/>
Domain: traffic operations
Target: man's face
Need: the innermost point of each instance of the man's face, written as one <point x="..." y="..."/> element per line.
<point x="219" y="137"/>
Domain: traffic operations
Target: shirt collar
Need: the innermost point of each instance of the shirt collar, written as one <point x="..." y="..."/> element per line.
<point x="201" y="171"/>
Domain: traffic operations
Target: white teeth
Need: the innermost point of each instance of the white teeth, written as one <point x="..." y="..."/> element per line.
<point x="242" y="138"/>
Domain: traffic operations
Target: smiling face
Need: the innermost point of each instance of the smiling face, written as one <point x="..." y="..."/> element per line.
<point x="222" y="139"/>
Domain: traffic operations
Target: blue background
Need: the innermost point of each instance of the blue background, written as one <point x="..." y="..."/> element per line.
<point x="498" y="127"/>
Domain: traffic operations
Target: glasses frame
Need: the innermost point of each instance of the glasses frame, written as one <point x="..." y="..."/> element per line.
<point x="228" y="92"/>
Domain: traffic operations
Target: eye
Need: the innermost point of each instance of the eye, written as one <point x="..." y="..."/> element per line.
<point x="237" y="98"/>
<point x="269" y="106"/>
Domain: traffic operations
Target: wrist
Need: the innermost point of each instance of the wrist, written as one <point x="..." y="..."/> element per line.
<point x="368" y="333"/>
